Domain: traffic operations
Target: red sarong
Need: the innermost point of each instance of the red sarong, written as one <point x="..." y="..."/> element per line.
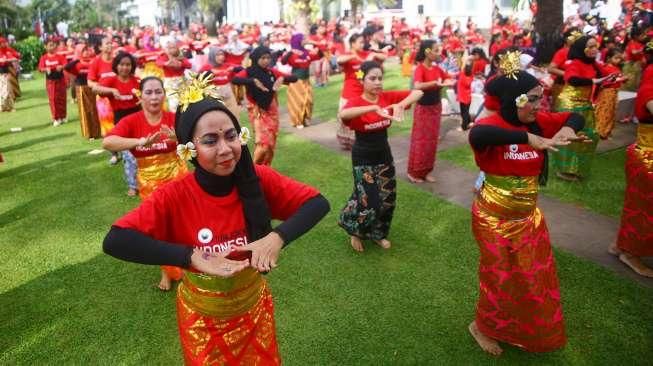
<point x="424" y="139"/>
<point x="636" y="232"/>
<point x="57" y="97"/>
<point x="519" y="300"/>
<point x="266" y="129"/>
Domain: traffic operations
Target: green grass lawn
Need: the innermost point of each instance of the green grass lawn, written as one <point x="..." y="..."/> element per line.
<point x="62" y="301"/>
<point x="603" y="192"/>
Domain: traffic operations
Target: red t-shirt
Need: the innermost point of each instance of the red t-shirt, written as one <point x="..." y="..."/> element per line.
<point x="579" y="69"/>
<point x="172" y="71"/>
<point x="81" y="67"/>
<point x="478" y="67"/>
<point x="319" y="41"/>
<point x="136" y="126"/>
<point x="51" y="61"/>
<point x="464" y="88"/>
<point x="222" y="74"/>
<point x="8" y="54"/>
<point x="519" y="160"/>
<point x="298" y="61"/>
<point x="560" y="58"/>
<point x="644" y="95"/>
<point x="608" y="69"/>
<point x="126" y="90"/>
<point x="231" y="58"/>
<point x="371" y="121"/>
<point x="352" y="87"/>
<point x="100" y="69"/>
<point x="634" y="45"/>
<point x="182" y="212"/>
<point x="425" y="74"/>
<point x="491" y="102"/>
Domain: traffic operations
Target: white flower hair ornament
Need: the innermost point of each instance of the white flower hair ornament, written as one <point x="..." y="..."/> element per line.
<point x="521" y="101"/>
<point x="244" y="135"/>
<point x="186" y="151"/>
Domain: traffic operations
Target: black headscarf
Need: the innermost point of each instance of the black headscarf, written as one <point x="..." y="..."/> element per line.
<point x="508" y="89"/>
<point x="577" y="50"/>
<point x="264" y="75"/>
<point x="244" y="178"/>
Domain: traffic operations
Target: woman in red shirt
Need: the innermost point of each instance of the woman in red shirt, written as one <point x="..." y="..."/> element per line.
<point x="368" y="212"/>
<point x="216" y="224"/>
<point x="262" y="83"/>
<point x="222" y="74"/>
<point x="149" y="135"/>
<point x="101" y="67"/>
<point x="608" y="95"/>
<point x="574" y="162"/>
<point x="8" y="56"/>
<point x="429" y="78"/>
<point x="173" y="64"/>
<point x="78" y="67"/>
<point x="557" y="66"/>
<point x="300" y="93"/>
<point x="510" y="147"/>
<point x="464" y="95"/>
<point x="52" y="65"/>
<point x="635" y="59"/>
<point x="121" y="91"/>
<point x="635" y="238"/>
<point x="352" y="86"/>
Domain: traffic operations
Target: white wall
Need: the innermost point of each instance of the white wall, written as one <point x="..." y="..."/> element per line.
<point x="239" y="11"/>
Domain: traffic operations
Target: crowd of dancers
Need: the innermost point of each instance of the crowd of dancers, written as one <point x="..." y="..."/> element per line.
<point x="163" y="109"/>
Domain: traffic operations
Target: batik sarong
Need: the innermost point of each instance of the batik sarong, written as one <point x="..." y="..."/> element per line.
<point x="345" y="135"/>
<point x="424" y="139"/>
<point x="266" y="129"/>
<point x="606" y="111"/>
<point x="300" y="102"/>
<point x="57" y="97"/>
<point x="88" y="118"/>
<point x="6" y="93"/>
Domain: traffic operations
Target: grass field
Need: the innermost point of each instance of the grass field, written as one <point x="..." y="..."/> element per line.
<point x="62" y="301"/>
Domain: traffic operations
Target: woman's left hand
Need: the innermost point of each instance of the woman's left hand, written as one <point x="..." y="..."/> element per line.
<point x="169" y="133"/>
<point x="265" y="252"/>
<point x="568" y="134"/>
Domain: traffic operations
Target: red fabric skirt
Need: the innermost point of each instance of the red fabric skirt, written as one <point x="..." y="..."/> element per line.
<point x="266" y="129"/>
<point x="57" y="97"/>
<point x="424" y="139"/>
<point x="519" y="300"/>
<point x="636" y="232"/>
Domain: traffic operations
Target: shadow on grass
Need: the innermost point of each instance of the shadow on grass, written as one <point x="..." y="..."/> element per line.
<point x="100" y="307"/>
<point x="25" y="129"/>
<point x="16" y="213"/>
<point x="38" y="165"/>
<point x="30" y="106"/>
<point x="36" y="141"/>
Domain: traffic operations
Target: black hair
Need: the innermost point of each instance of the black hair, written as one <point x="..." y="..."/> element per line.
<point x="141" y="85"/>
<point x="354" y="37"/>
<point x="313" y="29"/>
<point x="423" y="46"/>
<point x="368" y="66"/>
<point x="479" y="51"/>
<point x="611" y="52"/>
<point x="121" y="55"/>
<point x="467" y="70"/>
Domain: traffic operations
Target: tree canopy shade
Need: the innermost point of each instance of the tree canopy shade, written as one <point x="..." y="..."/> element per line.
<point x="548" y="28"/>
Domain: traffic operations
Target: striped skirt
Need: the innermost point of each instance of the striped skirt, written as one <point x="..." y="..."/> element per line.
<point x="88" y="118"/>
<point x="300" y="102"/>
<point x="57" y="97"/>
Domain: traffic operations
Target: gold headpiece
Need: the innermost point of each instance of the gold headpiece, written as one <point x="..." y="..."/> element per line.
<point x="195" y="88"/>
<point x="649" y="46"/>
<point x="573" y="37"/>
<point x="509" y="64"/>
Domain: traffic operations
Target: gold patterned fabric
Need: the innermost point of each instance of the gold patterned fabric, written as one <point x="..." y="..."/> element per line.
<point x="157" y="169"/>
<point x="226" y="321"/>
<point x="6" y="94"/>
<point x="576" y="158"/>
<point x="519" y="297"/>
<point x="88" y="117"/>
<point x="606" y="111"/>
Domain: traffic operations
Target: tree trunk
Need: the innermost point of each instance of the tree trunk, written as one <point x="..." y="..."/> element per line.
<point x="281" y="12"/>
<point x="209" y="23"/>
<point x="548" y="29"/>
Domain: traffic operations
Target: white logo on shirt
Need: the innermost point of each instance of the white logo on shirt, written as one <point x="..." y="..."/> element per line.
<point x="513" y="154"/>
<point x="204" y="236"/>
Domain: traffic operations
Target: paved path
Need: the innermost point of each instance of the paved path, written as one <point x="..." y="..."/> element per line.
<point x="573" y="229"/>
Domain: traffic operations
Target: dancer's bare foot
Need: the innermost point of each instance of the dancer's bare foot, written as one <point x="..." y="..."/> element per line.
<point x="614" y="250"/>
<point x="165" y="284"/>
<point x="636" y="264"/>
<point x="384" y="243"/>
<point x="357" y="244"/>
<point x="413" y="179"/>
<point x="486" y="343"/>
<point x="132" y="192"/>
<point x="429" y="178"/>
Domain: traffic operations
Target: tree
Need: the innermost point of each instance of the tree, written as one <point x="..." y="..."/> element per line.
<point x="209" y="10"/>
<point x="548" y="28"/>
<point x="303" y="11"/>
<point x="84" y="16"/>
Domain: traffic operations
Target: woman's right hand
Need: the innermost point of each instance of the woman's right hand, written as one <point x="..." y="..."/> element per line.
<point x="116" y="94"/>
<point x="542" y="143"/>
<point x="216" y="264"/>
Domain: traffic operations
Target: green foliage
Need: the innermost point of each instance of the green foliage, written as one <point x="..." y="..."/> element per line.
<point x="51" y="11"/>
<point x="31" y="49"/>
<point x="84" y="15"/>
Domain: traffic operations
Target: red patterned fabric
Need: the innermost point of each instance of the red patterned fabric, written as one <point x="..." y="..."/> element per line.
<point x="424" y="139"/>
<point x="57" y="97"/>
<point x="636" y="232"/>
